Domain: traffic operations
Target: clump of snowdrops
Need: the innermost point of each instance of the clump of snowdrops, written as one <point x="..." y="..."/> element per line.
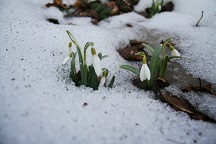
<point x="157" y="65"/>
<point x="93" y="76"/>
<point x="155" y="7"/>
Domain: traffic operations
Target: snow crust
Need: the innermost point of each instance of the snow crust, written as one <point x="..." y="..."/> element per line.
<point x="40" y="105"/>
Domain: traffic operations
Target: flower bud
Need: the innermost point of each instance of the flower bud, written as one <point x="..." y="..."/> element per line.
<point x="70" y="44"/>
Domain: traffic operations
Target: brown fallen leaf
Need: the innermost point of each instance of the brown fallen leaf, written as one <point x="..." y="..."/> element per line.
<point x="81" y="4"/>
<point x="168" y="7"/>
<point x="125" y="5"/>
<point x="207" y="88"/>
<point x="137" y="43"/>
<point x="95" y="9"/>
<point x="162" y="82"/>
<point x="58" y="4"/>
<point x="129" y="52"/>
<point x="184" y="106"/>
<point x="138" y="83"/>
<point x="115" y="9"/>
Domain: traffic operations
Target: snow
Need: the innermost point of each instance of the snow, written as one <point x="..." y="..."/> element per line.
<point x="40" y="105"/>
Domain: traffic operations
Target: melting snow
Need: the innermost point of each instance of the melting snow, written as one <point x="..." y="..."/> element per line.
<point x="40" y="105"/>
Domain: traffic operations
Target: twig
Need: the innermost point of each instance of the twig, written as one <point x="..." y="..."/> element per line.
<point x="200" y="85"/>
<point x="197" y="25"/>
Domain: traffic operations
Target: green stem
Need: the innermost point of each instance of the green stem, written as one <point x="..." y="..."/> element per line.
<point x="148" y="83"/>
<point x="163" y="50"/>
<point x="76" y="43"/>
<point x="85" y="49"/>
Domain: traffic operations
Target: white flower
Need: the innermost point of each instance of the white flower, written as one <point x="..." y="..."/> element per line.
<point x="145" y="73"/>
<point x="159" y="7"/>
<point x="69" y="54"/>
<point x="103" y="78"/>
<point x="66" y="60"/>
<point x="96" y="62"/>
<point x="174" y="52"/>
<point x="102" y="81"/>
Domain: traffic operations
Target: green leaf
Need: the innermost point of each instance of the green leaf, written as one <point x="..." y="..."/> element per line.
<point x="174" y="57"/>
<point x="162" y="2"/>
<point x="105" y="56"/>
<point x="130" y="68"/>
<point x="85" y="49"/>
<point x="111" y="82"/>
<point x="140" y="53"/>
<point x="102" y="10"/>
<point x="92" y="79"/>
<point x="149" y="47"/>
<point x="72" y="38"/>
<point x="163" y="67"/>
<point x="101" y="56"/>
<point x="84" y="73"/>
<point x="80" y="55"/>
<point x="73" y="73"/>
<point x="155" y="64"/>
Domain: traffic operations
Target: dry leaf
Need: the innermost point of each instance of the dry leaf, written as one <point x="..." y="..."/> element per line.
<point x="125" y="5"/>
<point x="168" y="7"/>
<point x="206" y="88"/>
<point x="162" y="82"/>
<point x="129" y="52"/>
<point x="57" y="3"/>
<point x="138" y="83"/>
<point x="80" y="4"/>
<point x="184" y="106"/>
<point x="115" y="10"/>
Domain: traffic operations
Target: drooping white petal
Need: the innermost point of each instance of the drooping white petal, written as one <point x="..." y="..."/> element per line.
<point x="145" y="73"/>
<point x="175" y="53"/>
<point x="66" y="60"/>
<point x="102" y="81"/>
<point x="159" y="7"/>
<point x="97" y="64"/>
<point x="142" y="73"/>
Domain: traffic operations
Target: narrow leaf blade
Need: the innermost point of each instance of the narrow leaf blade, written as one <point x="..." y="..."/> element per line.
<point x="155" y="64"/>
<point x="149" y="47"/>
<point x="92" y="79"/>
<point x="130" y="68"/>
<point x="111" y="82"/>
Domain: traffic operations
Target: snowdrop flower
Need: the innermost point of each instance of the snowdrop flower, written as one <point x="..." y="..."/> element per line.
<point x="96" y="62"/>
<point x="103" y="78"/>
<point x="69" y="54"/>
<point x="174" y="52"/>
<point x="145" y="72"/>
<point x="159" y="7"/>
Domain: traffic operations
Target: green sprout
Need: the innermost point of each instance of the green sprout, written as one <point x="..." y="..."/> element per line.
<point x="157" y="65"/>
<point x="155" y="8"/>
<point x="88" y="76"/>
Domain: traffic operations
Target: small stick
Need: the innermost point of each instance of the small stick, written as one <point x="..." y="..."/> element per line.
<point x="200" y="85"/>
<point x="197" y="25"/>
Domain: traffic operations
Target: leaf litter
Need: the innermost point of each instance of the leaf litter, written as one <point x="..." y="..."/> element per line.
<point x="99" y="11"/>
<point x="177" y="103"/>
